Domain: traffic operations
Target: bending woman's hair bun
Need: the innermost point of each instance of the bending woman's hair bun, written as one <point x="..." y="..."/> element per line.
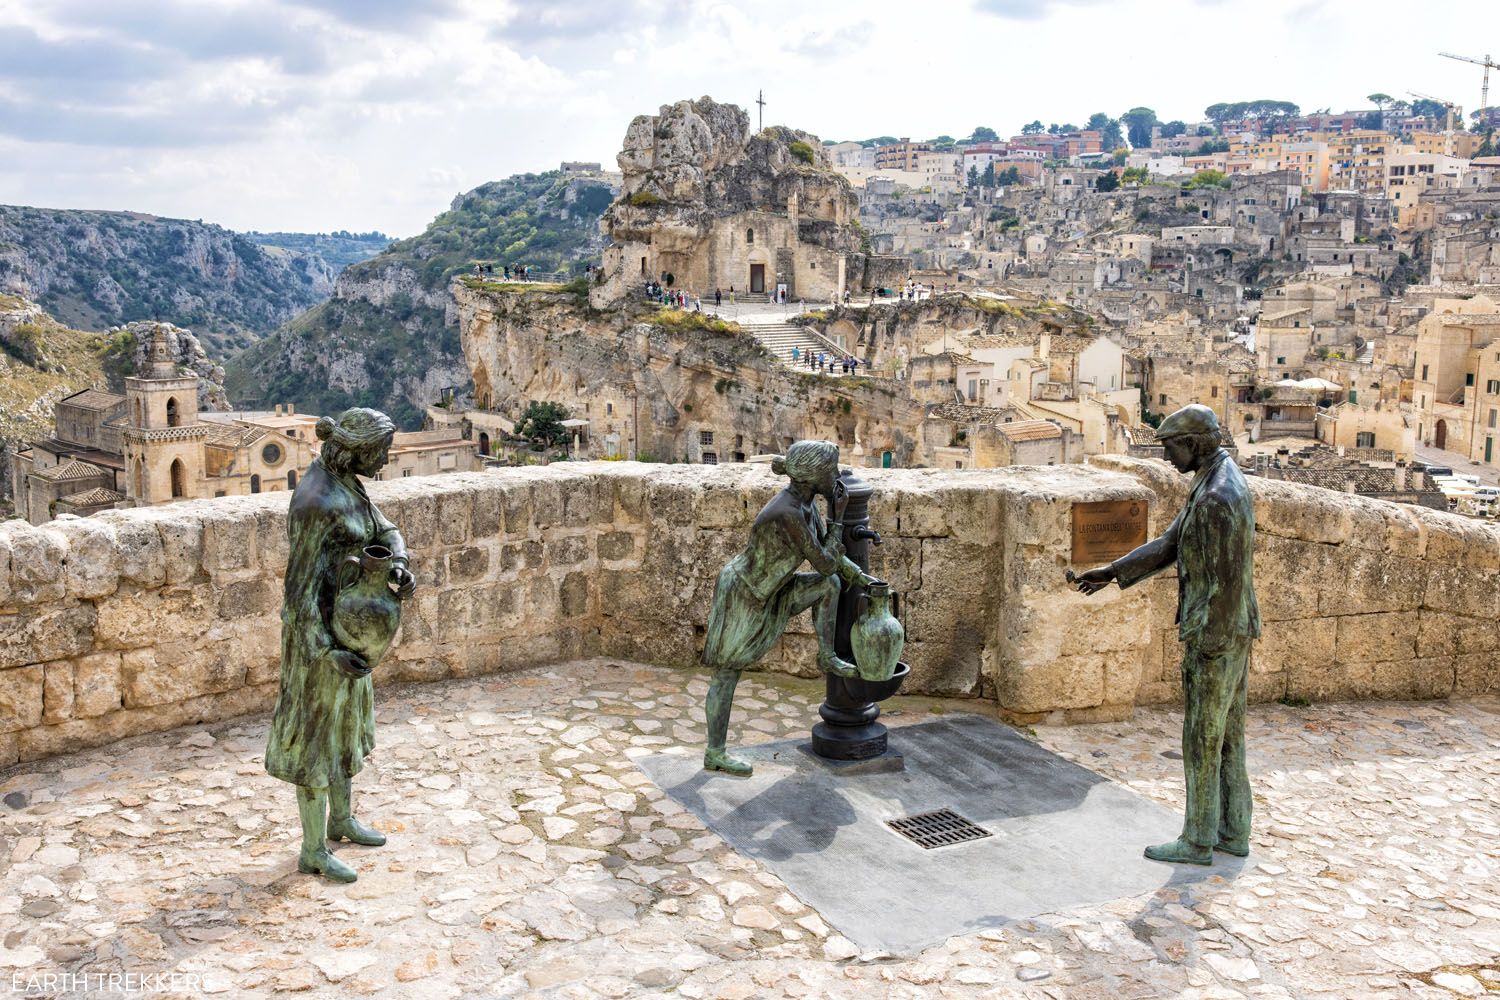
<point x="325" y="428"/>
<point x="778" y="465"/>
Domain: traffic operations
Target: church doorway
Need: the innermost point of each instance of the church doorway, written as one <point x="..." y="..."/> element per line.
<point x="179" y="479"/>
<point x="1440" y="435"/>
<point x="757" y="278"/>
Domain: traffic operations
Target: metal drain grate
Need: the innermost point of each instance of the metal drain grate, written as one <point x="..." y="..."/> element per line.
<point x="939" y="828"/>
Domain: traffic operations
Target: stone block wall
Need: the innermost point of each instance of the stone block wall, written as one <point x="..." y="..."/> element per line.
<point x="1359" y="598"/>
<point x="141" y="620"/>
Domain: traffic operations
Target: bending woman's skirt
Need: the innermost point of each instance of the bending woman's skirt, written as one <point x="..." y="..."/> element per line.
<point x="741" y="627"/>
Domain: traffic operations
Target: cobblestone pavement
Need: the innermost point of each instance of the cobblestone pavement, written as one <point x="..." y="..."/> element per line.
<point x="530" y="857"/>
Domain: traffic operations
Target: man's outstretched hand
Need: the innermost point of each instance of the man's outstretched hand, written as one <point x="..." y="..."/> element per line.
<point x="1092" y="581"/>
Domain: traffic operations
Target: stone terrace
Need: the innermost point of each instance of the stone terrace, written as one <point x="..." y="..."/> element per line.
<point x="530" y="857"/>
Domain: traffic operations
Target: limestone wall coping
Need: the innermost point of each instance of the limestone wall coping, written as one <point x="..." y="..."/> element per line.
<point x="139" y="620"/>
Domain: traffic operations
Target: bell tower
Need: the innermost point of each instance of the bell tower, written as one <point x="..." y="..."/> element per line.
<point x="163" y="438"/>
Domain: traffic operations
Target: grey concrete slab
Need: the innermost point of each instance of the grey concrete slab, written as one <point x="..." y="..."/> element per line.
<point x="1062" y="835"/>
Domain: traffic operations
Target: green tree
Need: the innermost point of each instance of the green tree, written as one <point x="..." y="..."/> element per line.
<point x="1034" y="128"/>
<point x="541" y="423"/>
<point x="1435" y="110"/>
<point x="1209" y="178"/>
<point x="1136" y="175"/>
<point x="987" y="179"/>
<point x="1172" y="129"/>
<point x="1138" y="123"/>
<point x="1380" y="100"/>
<point x="1108" y="129"/>
<point x="1008" y="176"/>
<point x="1219" y="113"/>
<point x="984" y="134"/>
<point x="1107" y="182"/>
<point x="973" y="177"/>
<point x="1119" y="157"/>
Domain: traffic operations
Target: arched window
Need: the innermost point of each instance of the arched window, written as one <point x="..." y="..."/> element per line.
<point x="291" y="479"/>
<point x="173" y="418"/>
<point x="255" y="483"/>
<point x="140" y="413"/>
<point x="140" y="479"/>
<point x="749" y="236"/>
<point x="179" y="479"/>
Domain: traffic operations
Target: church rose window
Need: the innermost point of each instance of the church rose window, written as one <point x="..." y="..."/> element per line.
<point x="271" y="454"/>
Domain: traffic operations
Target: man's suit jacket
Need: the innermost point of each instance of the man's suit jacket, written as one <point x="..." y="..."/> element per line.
<point x="1211" y="542"/>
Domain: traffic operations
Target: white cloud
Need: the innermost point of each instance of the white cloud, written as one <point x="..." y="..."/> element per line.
<point x="361" y="114"/>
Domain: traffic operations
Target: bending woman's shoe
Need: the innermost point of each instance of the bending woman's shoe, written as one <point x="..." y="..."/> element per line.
<point x="718" y="760"/>
<point x="324" y="862"/>
<point x="833" y="665"/>
<point x="353" y="830"/>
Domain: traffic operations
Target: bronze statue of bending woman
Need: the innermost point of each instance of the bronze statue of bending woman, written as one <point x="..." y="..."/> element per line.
<point x="333" y="629"/>
<point x="759" y="590"/>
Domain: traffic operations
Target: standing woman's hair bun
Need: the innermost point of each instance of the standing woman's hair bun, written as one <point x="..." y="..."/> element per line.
<point x="325" y="428"/>
<point x="778" y="465"/>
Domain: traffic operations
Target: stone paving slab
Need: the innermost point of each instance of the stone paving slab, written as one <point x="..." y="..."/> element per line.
<point x="1061" y="835"/>
<point x="530" y="857"/>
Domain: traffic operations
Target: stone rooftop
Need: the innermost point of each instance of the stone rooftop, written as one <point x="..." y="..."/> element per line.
<point x="529" y="856"/>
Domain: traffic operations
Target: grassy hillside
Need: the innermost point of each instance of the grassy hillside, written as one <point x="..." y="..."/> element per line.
<point x="94" y="270"/>
<point x="386" y="338"/>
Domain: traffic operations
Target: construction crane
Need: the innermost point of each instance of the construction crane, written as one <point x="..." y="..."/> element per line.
<point x="1484" y="93"/>
<point x="1453" y="109"/>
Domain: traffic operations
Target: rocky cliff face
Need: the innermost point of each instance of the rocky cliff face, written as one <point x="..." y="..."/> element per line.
<point x="388" y="337"/>
<point x="93" y="270"/>
<point x="695" y="162"/>
<point x="684" y="379"/>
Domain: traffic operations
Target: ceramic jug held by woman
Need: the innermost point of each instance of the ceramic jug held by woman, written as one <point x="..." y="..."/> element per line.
<point x="877" y="637"/>
<point x="366" y="611"/>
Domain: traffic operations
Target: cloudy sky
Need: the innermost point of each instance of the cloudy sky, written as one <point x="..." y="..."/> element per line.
<point x="315" y="115"/>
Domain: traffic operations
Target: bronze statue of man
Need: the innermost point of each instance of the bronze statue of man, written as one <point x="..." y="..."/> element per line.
<point x="759" y="590"/>
<point x="1211" y="543"/>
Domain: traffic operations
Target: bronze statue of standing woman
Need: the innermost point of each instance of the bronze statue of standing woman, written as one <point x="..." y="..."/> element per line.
<point x="346" y="573"/>
<point x="759" y="590"/>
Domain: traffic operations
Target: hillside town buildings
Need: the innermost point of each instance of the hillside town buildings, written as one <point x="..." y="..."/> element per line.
<point x="153" y="445"/>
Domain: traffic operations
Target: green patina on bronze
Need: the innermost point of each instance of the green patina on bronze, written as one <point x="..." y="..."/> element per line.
<point x="343" y="555"/>
<point x="760" y="589"/>
<point x="1211" y="543"/>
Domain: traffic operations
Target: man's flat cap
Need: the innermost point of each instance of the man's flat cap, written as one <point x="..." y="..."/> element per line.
<point x="1194" y="418"/>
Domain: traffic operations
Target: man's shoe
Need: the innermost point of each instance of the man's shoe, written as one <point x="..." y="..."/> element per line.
<point x="353" y="830"/>
<point x="325" y="863"/>
<point x="1181" y="852"/>
<point x="1240" y="849"/>
<point x="718" y="760"/>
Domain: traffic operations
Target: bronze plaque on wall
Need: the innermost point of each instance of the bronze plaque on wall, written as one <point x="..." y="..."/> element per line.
<point x="1106" y="530"/>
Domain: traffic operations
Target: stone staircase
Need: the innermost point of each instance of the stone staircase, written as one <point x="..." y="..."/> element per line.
<point x="780" y="338"/>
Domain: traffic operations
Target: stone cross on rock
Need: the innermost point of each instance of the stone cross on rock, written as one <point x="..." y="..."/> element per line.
<point x="760" y="115"/>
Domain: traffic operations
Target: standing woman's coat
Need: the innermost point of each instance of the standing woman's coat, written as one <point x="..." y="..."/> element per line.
<point x="324" y="723"/>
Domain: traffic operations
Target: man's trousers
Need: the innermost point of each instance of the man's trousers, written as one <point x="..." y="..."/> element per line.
<point x="1215" y="687"/>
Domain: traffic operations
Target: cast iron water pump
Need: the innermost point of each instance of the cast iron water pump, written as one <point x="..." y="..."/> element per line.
<point x="851" y="706"/>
